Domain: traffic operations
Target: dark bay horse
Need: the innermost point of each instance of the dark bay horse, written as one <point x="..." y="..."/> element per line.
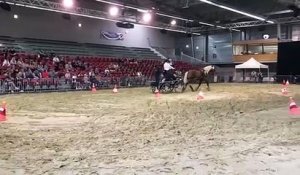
<point x="193" y="76"/>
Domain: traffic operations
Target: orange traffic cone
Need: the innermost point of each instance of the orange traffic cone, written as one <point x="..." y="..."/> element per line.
<point x="287" y="83"/>
<point x="294" y="110"/>
<point x="115" y="90"/>
<point x="200" y="96"/>
<point x="94" y="88"/>
<point x="3" y="112"/>
<point x="284" y="91"/>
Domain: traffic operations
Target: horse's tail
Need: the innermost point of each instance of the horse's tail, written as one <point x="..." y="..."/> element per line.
<point x="185" y="78"/>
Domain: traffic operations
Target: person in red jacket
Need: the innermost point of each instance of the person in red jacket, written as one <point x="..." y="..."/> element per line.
<point x="45" y="74"/>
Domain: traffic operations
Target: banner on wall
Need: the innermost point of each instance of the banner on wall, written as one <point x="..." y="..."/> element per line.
<point x="112" y="35"/>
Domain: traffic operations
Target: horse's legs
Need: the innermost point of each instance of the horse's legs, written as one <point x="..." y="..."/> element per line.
<point x="200" y="82"/>
<point x="192" y="88"/>
<point x="207" y="82"/>
<point x="184" y="87"/>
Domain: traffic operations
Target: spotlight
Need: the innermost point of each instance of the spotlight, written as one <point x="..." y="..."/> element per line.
<point x="173" y="22"/>
<point x="68" y="3"/>
<point x="16" y="16"/>
<point x="79" y="25"/>
<point x="147" y="17"/>
<point x="114" y="11"/>
<point x="187" y="46"/>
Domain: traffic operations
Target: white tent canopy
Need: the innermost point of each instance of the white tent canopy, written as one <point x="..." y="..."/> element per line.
<point x="252" y="64"/>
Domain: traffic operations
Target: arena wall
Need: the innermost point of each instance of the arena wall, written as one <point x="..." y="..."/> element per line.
<point x="219" y="49"/>
<point x="50" y="25"/>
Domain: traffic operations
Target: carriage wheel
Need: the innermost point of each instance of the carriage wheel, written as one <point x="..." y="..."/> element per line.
<point x="153" y="89"/>
<point x="178" y="86"/>
<point x="164" y="88"/>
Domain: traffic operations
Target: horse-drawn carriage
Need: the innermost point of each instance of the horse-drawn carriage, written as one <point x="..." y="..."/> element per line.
<point x="180" y="84"/>
<point x="168" y="86"/>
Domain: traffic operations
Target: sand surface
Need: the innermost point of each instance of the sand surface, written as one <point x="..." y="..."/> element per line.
<point x="237" y="129"/>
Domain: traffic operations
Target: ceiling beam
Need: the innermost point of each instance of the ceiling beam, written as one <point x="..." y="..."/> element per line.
<point x="236" y="11"/>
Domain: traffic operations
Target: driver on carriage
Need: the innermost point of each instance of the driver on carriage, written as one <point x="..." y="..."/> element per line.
<point x="168" y="71"/>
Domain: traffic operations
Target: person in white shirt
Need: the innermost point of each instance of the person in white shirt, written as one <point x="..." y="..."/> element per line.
<point x="55" y="59"/>
<point x="168" y="74"/>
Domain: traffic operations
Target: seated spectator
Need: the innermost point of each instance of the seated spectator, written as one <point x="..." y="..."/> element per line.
<point x="37" y="74"/>
<point x="13" y="61"/>
<point x="45" y="74"/>
<point x="106" y="72"/>
<point x="97" y="71"/>
<point x="29" y="74"/>
<point x="20" y="63"/>
<point x="92" y="73"/>
<point x="52" y="74"/>
<point x="6" y="63"/>
<point x="68" y="66"/>
<point x="67" y="77"/>
<point x="55" y="59"/>
<point x="86" y="79"/>
<point x="139" y="74"/>
<point x="20" y="75"/>
<point x="115" y="66"/>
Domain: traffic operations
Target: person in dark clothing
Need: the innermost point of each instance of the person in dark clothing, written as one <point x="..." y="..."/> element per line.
<point x="260" y="77"/>
<point x="157" y="76"/>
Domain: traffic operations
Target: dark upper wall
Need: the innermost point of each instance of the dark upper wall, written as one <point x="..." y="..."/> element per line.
<point x="50" y="25"/>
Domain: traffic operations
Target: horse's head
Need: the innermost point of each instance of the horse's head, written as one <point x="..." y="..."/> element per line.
<point x="209" y="69"/>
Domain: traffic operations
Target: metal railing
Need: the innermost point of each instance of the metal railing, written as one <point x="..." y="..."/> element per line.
<point x="60" y="84"/>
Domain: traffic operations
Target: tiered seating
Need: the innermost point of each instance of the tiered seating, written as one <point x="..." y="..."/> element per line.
<point x="73" y="48"/>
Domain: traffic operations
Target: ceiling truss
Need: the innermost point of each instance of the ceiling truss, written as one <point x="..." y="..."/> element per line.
<point x="96" y="14"/>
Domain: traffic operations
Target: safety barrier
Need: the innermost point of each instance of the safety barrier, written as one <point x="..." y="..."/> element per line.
<point x="294" y="79"/>
<point x="55" y="84"/>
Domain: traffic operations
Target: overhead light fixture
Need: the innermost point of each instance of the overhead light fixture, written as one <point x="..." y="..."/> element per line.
<point x="234" y="10"/>
<point x="16" y="16"/>
<point x="173" y="22"/>
<point x="187" y="46"/>
<point x="270" y="22"/>
<point x="114" y="11"/>
<point x="68" y="3"/>
<point x="79" y="25"/>
<point x="197" y="47"/>
<point x="147" y="17"/>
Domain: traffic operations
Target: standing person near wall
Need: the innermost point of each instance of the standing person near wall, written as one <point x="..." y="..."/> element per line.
<point x="260" y="77"/>
<point x="157" y="75"/>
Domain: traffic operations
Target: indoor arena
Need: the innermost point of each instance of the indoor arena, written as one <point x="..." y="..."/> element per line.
<point x="146" y="87"/>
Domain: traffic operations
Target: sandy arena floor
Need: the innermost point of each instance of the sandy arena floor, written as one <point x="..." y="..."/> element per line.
<point x="237" y="129"/>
